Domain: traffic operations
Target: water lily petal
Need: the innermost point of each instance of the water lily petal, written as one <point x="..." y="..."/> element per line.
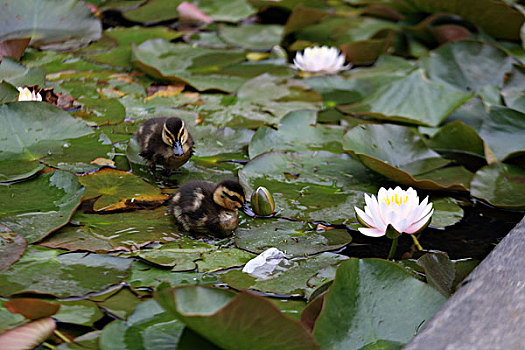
<point x="371" y="232"/>
<point x="362" y="216"/>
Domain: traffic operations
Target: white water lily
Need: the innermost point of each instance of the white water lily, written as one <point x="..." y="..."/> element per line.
<point x="327" y="60"/>
<point x="396" y="207"/>
<point x="267" y="263"/>
<point x="28" y="95"/>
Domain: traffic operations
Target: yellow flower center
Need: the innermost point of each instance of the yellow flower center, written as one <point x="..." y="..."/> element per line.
<point x="395" y="199"/>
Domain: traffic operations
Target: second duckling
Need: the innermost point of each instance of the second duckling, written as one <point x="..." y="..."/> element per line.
<point x="165" y="141"/>
<point x="203" y="207"/>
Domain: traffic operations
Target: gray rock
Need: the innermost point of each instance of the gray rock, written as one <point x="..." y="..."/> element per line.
<point x="488" y="311"/>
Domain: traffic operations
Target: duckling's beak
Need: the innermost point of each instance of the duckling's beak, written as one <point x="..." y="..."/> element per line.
<point x="177" y="149"/>
<point x="246" y="210"/>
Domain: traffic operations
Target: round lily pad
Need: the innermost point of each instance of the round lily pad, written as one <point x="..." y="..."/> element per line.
<point x="311" y="185"/>
<point x="119" y="190"/>
<point x="120" y="231"/>
<point x="42" y="270"/>
<point x="502" y="185"/>
<point x="40" y="206"/>
<point x="29" y="133"/>
<point x="292" y="238"/>
<point x="254" y="36"/>
<point x="12" y="246"/>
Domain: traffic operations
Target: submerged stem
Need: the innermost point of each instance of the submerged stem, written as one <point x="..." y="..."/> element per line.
<point x="393" y="248"/>
<point x="63" y="337"/>
<point x="416" y="242"/>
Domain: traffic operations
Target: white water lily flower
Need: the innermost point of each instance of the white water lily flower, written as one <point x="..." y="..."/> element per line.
<point x="317" y="59"/>
<point x="28" y="95"/>
<point x="264" y="265"/>
<point x="396" y="207"/>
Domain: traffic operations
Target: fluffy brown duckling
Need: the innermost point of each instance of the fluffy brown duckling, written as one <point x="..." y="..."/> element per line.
<point x="203" y="207"/>
<point x="164" y="141"/>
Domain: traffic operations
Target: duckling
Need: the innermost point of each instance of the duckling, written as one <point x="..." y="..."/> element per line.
<point x="164" y="141"/>
<point x="203" y="207"/>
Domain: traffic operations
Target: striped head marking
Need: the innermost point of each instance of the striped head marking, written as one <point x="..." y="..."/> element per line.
<point x="229" y="194"/>
<point x="174" y="134"/>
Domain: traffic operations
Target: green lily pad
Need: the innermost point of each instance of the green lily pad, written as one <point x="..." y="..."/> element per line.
<point x="447" y="212"/>
<point x="502" y="185"/>
<point x="43" y="270"/>
<point x="65" y="24"/>
<point x="8" y="93"/>
<point x="467" y="66"/>
<point x="401" y="155"/>
<point x="87" y="341"/>
<point x="504" y="132"/>
<point x="499" y="19"/>
<point x="149" y="276"/>
<point x="120" y="231"/>
<point x="226" y="11"/>
<point x="292" y="238"/>
<point x="9" y="320"/>
<point x="223" y="258"/>
<point x="153" y="11"/>
<point x="40" y="206"/>
<point x="218" y="316"/>
<point x="180" y="255"/>
<point x="226" y="143"/>
<point x="294" y="281"/>
<point x="81" y="312"/>
<point x="371" y="300"/>
<point x="412" y="99"/>
<point x="513" y="91"/>
<point x="12" y="246"/>
<point x="439" y="271"/>
<point x="114" y="48"/>
<point x="148" y="327"/>
<point x="121" y="303"/>
<point x="308" y="185"/>
<point x="78" y="154"/>
<point x="118" y="190"/>
<point x="297" y="131"/>
<point x="13" y="72"/>
<point x="29" y="133"/>
<point x="101" y="111"/>
<point x="198" y="67"/>
<point x="254" y="36"/>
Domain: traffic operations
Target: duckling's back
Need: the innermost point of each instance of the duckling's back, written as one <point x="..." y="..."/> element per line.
<point x="195" y="211"/>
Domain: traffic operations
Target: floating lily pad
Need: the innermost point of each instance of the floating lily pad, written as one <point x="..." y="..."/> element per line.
<point x="8" y="93"/>
<point x="53" y="197"/>
<point x="101" y="111"/>
<point x="65" y="24"/>
<point x="513" y="91"/>
<point x="32" y="308"/>
<point x="147" y="275"/>
<point x="78" y="154"/>
<point x="121" y="231"/>
<point x="292" y="238"/>
<point x="180" y="255"/>
<point x="29" y="133"/>
<point x="311" y="186"/>
<point x="153" y="11"/>
<point x="13" y="72"/>
<point x="9" y="320"/>
<point x="148" y="327"/>
<point x="226" y="143"/>
<point x="121" y="303"/>
<point x="220" y="316"/>
<point x="254" y="36"/>
<point x="12" y="246"/>
<point x="373" y="299"/>
<point x="413" y="99"/>
<point x="198" y="67"/>
<point x="81" y="312"/>
<point x="118" y="190"/>
<point x="504" y="132"/>
<point x="223" y="258"/>
<point x="43" y="270"/>
<point x="400" y="154"/>
<point x="298" y="131"/>
<point x="467" y="66"/>
<point x="114" y="48"/>
<point x="447" y="212"/>
<point x="502" y="185"/>
<point x="293" y="281"/>
<point x="229" y="11"/>
<point x="499" y="19"/>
